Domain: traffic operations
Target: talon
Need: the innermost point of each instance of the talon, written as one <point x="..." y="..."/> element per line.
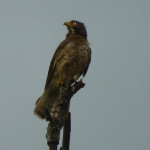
<point x="59" y="81"/>
<point x="75" y="78"/>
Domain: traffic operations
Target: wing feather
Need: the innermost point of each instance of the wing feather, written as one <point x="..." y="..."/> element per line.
<point x="89" y="60"/>
<point x="52" y="64"/>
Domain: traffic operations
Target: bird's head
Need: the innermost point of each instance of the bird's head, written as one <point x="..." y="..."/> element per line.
<point x="76" y="27"/>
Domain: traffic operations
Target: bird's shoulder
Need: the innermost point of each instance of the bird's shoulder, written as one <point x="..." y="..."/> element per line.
<point x="51" y="67"/>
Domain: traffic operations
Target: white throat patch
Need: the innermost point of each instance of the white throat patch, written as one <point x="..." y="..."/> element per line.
<point x="71" y="29"/>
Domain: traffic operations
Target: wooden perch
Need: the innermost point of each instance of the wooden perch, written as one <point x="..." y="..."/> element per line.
<point x="66" y="94"/>
<point x="66" y="132"/>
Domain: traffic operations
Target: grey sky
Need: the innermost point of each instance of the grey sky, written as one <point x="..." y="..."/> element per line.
<point x="113" y="111"/>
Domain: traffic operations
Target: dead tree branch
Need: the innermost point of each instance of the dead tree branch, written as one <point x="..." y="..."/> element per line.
<point x="54" y="126"/>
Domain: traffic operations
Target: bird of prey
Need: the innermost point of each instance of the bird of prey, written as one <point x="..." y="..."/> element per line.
<point x="71" y="60"/>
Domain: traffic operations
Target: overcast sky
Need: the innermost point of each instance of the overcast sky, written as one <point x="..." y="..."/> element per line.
<point x="113" y="111"/>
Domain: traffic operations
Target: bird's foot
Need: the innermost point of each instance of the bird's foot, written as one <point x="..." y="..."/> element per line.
<point x="75" y="77"/>
<point x="59" y="82"/>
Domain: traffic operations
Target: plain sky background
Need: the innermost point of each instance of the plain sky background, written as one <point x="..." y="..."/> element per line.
<point x="113" y="111"/>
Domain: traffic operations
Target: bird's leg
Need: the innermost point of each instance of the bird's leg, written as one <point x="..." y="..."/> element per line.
<point x="59" y="81"/>
<point x="75" y="78"/>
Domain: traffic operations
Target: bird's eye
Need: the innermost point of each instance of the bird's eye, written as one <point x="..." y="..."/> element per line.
<point x="74" y="23"/>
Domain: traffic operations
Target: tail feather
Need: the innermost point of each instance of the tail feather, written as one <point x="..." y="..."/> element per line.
<point x="44" y="104"/>
<point x="49" y="104"/>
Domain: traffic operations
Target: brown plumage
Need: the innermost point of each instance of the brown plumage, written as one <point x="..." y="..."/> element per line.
<point x="71" y="60"/>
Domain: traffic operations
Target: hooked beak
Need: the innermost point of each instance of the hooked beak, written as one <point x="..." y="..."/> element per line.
<point x="68" y="24"/>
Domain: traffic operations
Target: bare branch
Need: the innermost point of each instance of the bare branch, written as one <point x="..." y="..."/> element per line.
<point x="54" y="126"/>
